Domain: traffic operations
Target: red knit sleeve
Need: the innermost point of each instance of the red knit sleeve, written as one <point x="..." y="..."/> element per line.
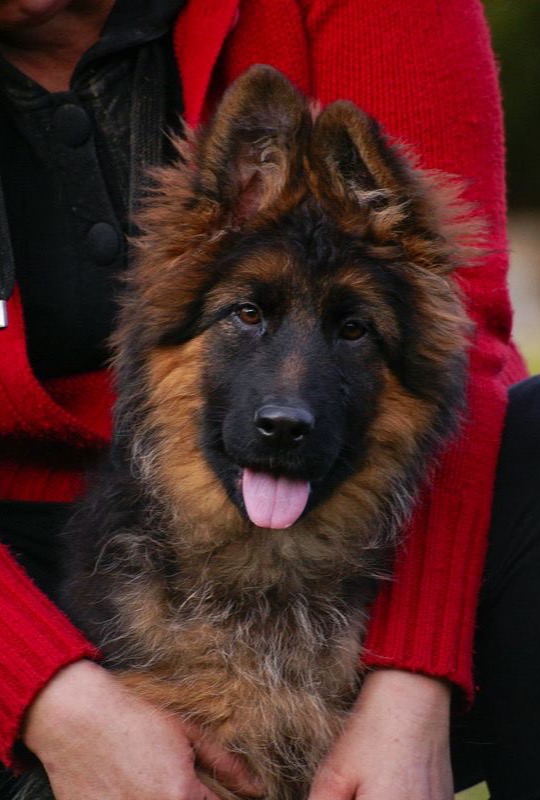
<point x="37" y="641"/>
<point x="426" y="70"/>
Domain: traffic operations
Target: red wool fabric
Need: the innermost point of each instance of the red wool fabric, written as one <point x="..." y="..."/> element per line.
<point x="426" y="71"/>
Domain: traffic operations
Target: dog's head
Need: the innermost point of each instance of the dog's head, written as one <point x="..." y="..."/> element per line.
<point x="292" y="343"/>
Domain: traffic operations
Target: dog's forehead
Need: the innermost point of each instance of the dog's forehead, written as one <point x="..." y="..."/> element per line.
<point x="302" y="257"/>
<point x="286" y="277"/>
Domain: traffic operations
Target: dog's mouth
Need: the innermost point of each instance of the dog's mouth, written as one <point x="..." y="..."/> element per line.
<point x="271" y="501"/>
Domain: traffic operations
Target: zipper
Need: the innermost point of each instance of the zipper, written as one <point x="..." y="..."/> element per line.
<point x="7" y="263"/>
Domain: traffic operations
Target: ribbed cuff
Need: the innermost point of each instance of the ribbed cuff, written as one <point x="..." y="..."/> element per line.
<point x="424" y="619"/>
<point x="37" y="641"/>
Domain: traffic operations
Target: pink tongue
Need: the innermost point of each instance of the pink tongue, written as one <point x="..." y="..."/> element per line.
<point x="273" y="502"/>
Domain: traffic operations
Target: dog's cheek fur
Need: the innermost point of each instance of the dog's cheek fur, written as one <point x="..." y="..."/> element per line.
<point x="429" y="357"/>
<point x="398" y="441"/>
<point x="172" y="434"/>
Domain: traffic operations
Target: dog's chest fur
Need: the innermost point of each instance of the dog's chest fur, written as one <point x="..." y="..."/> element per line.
<point x="269" y="673"/>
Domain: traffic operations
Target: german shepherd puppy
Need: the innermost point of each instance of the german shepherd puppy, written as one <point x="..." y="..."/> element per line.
<point x="291" y="354"/>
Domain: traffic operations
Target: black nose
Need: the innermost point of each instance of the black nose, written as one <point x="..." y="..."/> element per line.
<point x="284" y="425"/>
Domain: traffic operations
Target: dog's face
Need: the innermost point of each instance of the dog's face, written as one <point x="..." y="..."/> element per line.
<point x="293" y="364"/>
<point x="292" y="335"/>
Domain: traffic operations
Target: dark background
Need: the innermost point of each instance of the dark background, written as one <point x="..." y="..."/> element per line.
<point x="515" y="26"/>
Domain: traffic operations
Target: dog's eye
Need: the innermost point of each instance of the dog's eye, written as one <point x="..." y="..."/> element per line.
<point x="352" y="329"/>
<point x="248" y="314"/>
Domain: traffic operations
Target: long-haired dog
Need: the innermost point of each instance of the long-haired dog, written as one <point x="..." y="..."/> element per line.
<point x="291" y="354"/>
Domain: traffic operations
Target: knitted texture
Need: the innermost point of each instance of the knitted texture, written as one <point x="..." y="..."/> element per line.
<point x="37" y="640"/>
<point x="426" y="71"/>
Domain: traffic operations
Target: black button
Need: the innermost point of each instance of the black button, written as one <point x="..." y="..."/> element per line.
<point x="72" y="125"/>
<point x="103" y="242"/>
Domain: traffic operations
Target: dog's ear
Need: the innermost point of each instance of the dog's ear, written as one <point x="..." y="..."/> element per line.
<point x="253" y="149"/>
<point x="354" y="162"/>
<point x="375" y="189"/>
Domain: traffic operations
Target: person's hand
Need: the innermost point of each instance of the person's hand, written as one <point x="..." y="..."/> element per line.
<point x="98" y="741"/>
<point x="395" y="745"/>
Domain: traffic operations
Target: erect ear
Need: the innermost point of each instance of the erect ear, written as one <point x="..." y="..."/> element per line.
<point x="352" y="160"/>
<point x="374" y="189"/>
<point x="253" y="149"/>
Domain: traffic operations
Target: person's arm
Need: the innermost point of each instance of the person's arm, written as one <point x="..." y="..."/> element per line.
<point x="97" y="740"/>
<point x="94" y="737"/>
<point x="37" y="642"/>
<point x="395" y="744"/>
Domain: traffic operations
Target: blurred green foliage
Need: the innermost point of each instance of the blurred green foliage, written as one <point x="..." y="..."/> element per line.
<point x="515" y="26"/>
<point x="478" y="793"/>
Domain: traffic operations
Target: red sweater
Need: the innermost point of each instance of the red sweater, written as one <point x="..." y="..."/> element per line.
<point x="426" y="71"/>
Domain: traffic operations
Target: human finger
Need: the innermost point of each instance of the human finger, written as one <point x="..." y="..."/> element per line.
<point x="228" y="768"/>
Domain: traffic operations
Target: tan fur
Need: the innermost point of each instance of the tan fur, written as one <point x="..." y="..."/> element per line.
<point x="180" y="469"/>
